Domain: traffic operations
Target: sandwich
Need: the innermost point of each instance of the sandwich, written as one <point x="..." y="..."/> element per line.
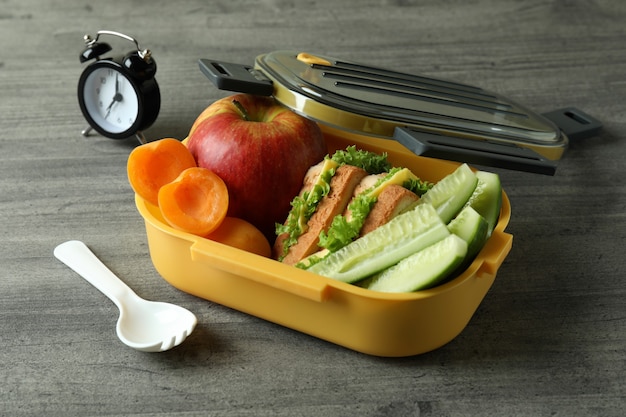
<point x="344" y="197"/>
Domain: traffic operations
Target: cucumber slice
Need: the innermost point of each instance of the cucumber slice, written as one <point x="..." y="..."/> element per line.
<point x="472" y="228"/>
<point x="451" y="193"/>
<point x="388" y="244"/>
<point x="422" y="270"/>
<point x="487" y="198"/>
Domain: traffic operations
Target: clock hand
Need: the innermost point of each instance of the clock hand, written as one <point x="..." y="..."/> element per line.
<point x="116" y="97"/>
<point x="109" y="108"/>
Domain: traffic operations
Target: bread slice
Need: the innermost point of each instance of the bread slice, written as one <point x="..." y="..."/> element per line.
<point x="392" y="200"/>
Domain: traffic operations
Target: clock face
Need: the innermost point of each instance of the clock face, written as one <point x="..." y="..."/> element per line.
<point x="110" y="100"/>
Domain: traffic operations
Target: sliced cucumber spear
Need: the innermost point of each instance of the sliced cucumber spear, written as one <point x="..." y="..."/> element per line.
<point x="487" y="198"/>
<point x="423" y="269"/>
<point x="404" y="235"/>
<point x="451" y="193"/>
<point x="472" y="228"/>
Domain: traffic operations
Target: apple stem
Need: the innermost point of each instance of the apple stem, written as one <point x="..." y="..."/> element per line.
<point x="242" y="110"/>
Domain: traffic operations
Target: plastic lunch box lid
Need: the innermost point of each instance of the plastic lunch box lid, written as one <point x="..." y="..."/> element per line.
<point x="429" y="116"/>
<point x="371" y="96"/>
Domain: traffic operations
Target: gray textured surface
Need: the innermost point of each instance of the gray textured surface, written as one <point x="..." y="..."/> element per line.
<point x="549" y="337"/>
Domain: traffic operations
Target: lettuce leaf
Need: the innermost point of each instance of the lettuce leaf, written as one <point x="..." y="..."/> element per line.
<point x="371" y="162"/>
<point x="302" y="208"/>
<point x="343" y="231"/>
<point x="418" y="186"/>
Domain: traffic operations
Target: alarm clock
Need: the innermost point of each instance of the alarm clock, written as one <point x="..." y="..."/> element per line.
<point x="118" y="96"/>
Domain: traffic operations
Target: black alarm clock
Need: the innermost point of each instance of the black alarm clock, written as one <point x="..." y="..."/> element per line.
<point x="118" y="96"/>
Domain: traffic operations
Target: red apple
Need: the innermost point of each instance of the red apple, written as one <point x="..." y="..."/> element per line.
<point x="262" y="150"/>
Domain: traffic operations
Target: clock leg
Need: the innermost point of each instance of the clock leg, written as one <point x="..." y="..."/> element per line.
<point x="140" y="137"/>
<point x="85" y="132"/>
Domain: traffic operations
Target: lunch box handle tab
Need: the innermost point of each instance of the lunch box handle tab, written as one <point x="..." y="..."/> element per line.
<point x="496" y="249"/>
<point x="264" y="271"/>
<point x="236" y="77"/>
<point x="481" y="152"/>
